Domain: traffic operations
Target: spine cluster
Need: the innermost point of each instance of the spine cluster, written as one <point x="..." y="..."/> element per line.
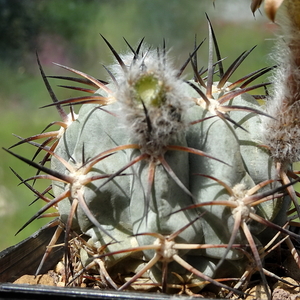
<point x="152" y="99"/>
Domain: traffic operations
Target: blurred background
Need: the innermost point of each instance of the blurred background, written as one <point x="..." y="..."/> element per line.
<point x="68" y="32"/>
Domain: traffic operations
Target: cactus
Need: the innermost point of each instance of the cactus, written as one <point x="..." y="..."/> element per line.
<point x="163" y="176"/>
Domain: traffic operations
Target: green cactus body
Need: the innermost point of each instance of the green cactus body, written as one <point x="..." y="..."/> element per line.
<point x="123" y="207"/>
<point x="77" y="147"/>
<point x="215" y="136"/>
<point x="242" y="151"/>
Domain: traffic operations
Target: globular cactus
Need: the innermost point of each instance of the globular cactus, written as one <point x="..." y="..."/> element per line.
<point x="166" y="176"/>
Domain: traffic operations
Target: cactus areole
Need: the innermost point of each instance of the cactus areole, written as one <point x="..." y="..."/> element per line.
<point x="164" y="178"/>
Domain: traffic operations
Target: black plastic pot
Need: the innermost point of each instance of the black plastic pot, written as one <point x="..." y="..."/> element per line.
<point x="32" y="292"/>
<point x="24" y="258"/>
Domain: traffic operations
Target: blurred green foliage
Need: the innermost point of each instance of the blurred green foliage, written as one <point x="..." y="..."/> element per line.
<point x="67" y="32"/>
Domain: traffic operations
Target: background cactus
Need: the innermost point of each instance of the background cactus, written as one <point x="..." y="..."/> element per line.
<point x="170" y="169"/>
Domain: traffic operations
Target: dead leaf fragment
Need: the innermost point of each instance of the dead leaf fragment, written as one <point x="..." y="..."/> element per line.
<point x="271" y="7"/>
<point x="293" y="287"/>
<point x="257" y="292"/>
